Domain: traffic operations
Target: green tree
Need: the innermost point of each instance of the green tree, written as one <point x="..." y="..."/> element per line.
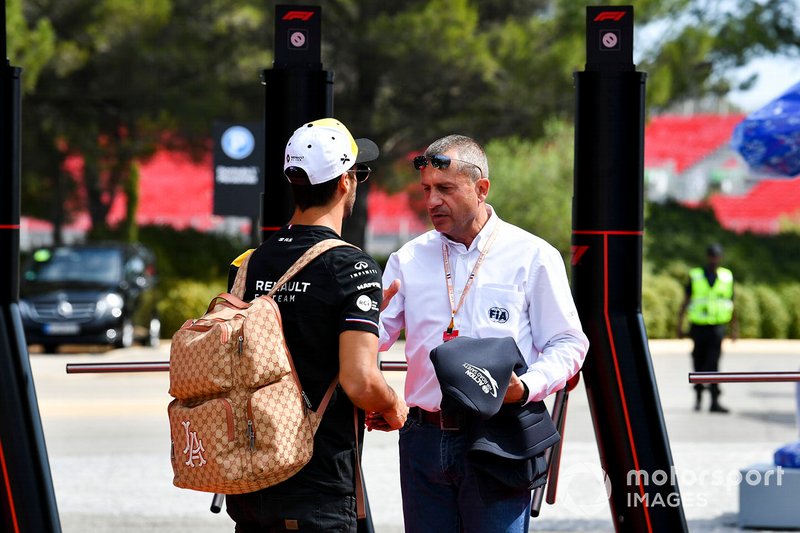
<point x="127" y="77"/>
<point x="31" y="45"/>
<point x="697" y="51"/>
<point x="122" y="73"/>
<point x="531" y="183"/>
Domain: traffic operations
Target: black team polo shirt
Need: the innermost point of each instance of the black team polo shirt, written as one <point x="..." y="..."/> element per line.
<point x="338" y="291"/>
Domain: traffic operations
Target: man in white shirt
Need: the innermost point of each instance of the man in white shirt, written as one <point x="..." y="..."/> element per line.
<point x="474" y="275"/>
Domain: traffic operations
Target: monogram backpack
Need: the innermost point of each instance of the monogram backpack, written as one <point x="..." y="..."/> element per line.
<point x="240" y="421"/>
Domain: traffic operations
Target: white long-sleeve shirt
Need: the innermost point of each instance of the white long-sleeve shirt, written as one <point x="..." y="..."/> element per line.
<point x="521" y="290"/>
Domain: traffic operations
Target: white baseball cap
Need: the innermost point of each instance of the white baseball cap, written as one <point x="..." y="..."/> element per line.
<point x="322" y="150"/>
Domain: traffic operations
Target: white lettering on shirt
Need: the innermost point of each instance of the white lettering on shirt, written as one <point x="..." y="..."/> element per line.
<point x="290" y="286"/>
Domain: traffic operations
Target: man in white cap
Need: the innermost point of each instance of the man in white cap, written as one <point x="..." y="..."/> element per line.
<point x="330" y="320"/>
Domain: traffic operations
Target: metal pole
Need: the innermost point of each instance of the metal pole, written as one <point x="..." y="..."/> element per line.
<point x="607" y="227"/>
<point x="400" y="366"/>
<point x="27" y="499"/>
<point x="743" y="377"/>
<point x="539" y="492"/>
<point x="297" y="91"/>
<point x="163" y="366"/>
<point x="112" y="368"/>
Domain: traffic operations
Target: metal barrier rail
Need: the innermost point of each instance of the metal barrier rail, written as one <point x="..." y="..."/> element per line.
<point x="108" y="368"/>
<point x="743" y="377"/>
<point x="163" y="366"/>
<point x="553" y="454"/>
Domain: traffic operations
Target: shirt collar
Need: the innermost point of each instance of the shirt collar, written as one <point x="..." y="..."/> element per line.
<point x="481" y="238"/>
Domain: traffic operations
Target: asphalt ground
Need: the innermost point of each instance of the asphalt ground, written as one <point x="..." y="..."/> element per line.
<point x="108" y="444"/>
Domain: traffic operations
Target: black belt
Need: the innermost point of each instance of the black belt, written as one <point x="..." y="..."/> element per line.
<point x="445" y="421"/>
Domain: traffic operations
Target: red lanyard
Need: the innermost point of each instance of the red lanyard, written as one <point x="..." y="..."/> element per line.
<point x="449" y="278"/>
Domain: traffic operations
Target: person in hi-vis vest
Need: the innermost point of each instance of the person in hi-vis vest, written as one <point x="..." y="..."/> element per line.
<point x="709" y="301"/>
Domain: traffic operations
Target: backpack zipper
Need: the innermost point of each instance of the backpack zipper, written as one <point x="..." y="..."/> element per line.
<point x="305" y="399"/>
<point x="251" y="430"/>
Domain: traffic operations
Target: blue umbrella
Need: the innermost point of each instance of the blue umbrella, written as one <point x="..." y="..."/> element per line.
<point x="769" y="138"/>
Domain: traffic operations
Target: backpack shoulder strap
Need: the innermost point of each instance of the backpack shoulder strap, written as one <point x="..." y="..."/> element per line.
<point x="309" y="255"/>
<point x="241" y="275"/>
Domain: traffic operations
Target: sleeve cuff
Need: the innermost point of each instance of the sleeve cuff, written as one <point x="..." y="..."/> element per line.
<point x="536" y="384"/>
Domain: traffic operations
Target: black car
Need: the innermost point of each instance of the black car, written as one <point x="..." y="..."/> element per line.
<point x="90" y="294"/>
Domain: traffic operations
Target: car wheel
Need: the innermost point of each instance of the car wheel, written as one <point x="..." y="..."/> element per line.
<point x="50" y="347"/>
<point x="126" y="337"/>
<point x="154" y="337"/>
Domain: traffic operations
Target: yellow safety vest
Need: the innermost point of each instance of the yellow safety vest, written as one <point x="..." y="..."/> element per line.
<point x="711" y="305"/>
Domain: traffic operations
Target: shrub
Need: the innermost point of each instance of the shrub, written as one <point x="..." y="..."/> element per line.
<point x="747" y="312"/>
<point x="677" y="270"/>
<point x="790" y="294"/>
<point x="532" y="183"/>
<point x="774" y="316"/>
<point x="191" y="254"/>
<point x="184" y="300"/>
<point x="661" y="300"/>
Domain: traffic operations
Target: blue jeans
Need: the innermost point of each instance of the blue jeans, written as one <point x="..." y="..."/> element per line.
<point x="442" y="493"/>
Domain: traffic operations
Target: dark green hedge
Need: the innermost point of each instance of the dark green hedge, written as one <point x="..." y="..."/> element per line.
<point x="191" y="254"/>
<point x="674" y="231"/>
<point x="766" y="269"/>
<point x="762" y="311"/>
<point x="183" y="300"/>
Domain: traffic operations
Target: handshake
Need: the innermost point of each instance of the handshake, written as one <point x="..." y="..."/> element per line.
<point x="389" y="419"/>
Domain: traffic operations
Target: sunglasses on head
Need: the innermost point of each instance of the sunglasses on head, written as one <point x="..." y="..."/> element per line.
<point x="361" y="172"/>
<point x="440" y="161"/>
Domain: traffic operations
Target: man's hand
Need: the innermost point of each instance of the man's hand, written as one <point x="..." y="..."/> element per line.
<point x="392" y="419"/>
<point x="516" y="390"/>
<point x="389" y="293"/>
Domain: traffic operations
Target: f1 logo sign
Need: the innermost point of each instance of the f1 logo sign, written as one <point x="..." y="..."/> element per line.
<point x="298" y="15"/>
<point x="616" y="16"/>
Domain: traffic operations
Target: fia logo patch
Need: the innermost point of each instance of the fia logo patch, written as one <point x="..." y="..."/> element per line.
<point x="498" y="314"/>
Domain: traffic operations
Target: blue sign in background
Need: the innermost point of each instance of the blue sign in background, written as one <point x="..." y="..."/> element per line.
<point x="238" y="169"/>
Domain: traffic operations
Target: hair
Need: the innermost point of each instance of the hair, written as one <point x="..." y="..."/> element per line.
<point x="467" y="149"/>
<point x="307" y="196"/>
<point x="714" y="250"/>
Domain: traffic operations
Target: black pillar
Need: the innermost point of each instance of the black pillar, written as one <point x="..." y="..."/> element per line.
<point x="297" y="91"/>
<point x="27" y="501"/>
<point x="607" y="227"/>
